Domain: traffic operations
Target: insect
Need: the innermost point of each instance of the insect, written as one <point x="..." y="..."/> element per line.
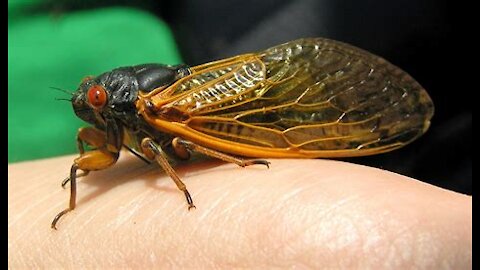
<point x="307" y="98"/>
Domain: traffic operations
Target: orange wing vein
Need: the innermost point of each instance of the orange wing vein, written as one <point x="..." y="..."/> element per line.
<point x="305" y="98"/>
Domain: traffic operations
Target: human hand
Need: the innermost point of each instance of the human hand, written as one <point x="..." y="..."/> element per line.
<point x="298" y="213"/>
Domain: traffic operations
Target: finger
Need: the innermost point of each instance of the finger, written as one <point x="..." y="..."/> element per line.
<point x="317" y="213"/>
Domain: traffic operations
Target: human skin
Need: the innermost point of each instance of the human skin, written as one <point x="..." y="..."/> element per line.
<point x="299" y="213"/>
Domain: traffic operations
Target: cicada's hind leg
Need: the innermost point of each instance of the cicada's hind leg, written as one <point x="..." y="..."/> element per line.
<point x="182" y="146"/>
<point x="88" y="161"/>
<point x="154" y="151"/>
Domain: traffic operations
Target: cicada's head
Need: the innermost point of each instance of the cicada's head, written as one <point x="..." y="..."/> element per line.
<point x="112" y="95"/>
<point x="109" y="95"/>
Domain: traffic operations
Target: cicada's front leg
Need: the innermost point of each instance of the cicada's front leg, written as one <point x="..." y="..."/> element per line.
<point x="98" y="159"/>
<point x="92" y="137"/>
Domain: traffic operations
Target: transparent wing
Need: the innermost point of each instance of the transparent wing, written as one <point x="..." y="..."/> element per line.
<point x="310" y="95"/>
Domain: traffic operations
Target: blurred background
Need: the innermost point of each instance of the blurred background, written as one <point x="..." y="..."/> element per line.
<point x="57" y="43"/>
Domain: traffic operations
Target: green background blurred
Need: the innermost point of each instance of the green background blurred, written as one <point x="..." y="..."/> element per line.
<point x="57" y="50"/>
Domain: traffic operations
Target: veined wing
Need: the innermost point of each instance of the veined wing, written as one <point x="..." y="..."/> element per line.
<point x="309" y="97"/>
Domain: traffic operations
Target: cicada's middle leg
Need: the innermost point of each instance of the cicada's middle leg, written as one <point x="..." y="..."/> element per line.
<point x="183" y="148"/>
<point x="93" y="160"/>
<point x="153" y="151"/>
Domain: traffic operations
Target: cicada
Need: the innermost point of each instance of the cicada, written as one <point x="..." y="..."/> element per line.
<point x="308" y="98"/>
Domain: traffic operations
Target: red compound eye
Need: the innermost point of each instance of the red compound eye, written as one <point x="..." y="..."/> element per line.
<point x="97" y="96"/>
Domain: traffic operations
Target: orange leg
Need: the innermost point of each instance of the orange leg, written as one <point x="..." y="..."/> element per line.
<point x="152" y="149"/>
<point x="73" y="196"/>
<point x="180" y="146"/>
<point x="92" y="137"/>
<point x="88" y="161"/>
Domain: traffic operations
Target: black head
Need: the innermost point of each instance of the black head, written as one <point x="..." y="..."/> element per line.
<point x="112" y="95"/>
<point x="105" y="96"/>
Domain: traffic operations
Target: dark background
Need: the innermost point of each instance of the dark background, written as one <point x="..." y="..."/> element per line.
<point x="421" y="37"/>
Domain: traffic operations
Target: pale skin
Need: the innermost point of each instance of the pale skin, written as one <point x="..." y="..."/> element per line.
<point x="298" y="213"/>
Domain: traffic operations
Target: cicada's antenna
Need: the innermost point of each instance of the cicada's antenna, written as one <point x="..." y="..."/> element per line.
<point x="63" y="99"/>
<point x="62" y="90"/>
